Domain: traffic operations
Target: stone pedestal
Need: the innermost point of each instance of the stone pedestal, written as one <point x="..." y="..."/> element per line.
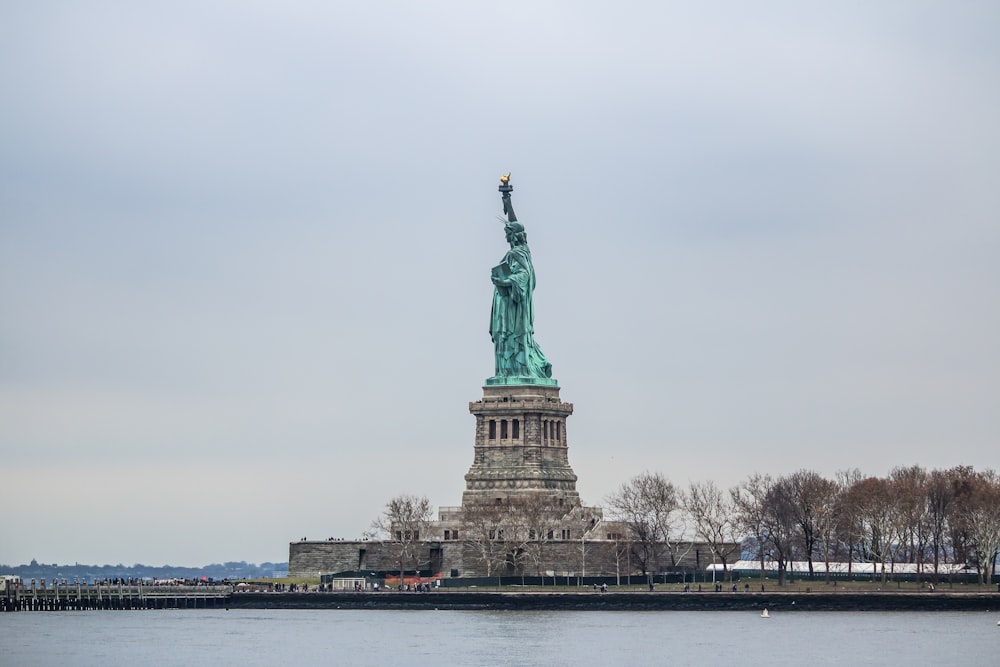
<point x="521" y="446"/>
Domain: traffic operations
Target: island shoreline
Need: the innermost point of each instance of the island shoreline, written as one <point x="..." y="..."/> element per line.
<point x="633" y="601"/>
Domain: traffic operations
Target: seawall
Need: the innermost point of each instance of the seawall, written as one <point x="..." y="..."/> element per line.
<point x="634" y="601"/>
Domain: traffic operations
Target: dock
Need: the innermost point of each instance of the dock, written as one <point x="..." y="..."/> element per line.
<point x="80" y="597"/>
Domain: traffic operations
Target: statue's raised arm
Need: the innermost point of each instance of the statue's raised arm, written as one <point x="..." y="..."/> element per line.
<point x="505" y="189"/>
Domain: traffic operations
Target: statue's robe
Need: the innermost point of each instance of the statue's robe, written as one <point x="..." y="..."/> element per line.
<point x="512" y="319"/>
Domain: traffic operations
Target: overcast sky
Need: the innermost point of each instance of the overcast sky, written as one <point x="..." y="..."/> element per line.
<point x="245" y="252"/>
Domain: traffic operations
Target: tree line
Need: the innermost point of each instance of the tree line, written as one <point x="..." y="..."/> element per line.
<point x="912" y="515"/>
<point x="90" y="573"/>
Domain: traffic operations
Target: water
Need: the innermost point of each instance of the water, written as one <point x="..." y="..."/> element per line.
<point x="342" y="637"/>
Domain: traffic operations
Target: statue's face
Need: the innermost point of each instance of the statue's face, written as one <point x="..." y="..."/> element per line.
<point x="510" y="235"/>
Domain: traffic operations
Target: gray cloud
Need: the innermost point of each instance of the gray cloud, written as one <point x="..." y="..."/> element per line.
<point x="244" y="251"/>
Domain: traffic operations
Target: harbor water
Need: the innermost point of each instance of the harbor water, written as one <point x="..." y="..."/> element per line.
<point x="350" y="637"/>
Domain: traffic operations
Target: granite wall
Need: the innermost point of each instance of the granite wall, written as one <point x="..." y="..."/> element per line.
<point x="457" y="558"/>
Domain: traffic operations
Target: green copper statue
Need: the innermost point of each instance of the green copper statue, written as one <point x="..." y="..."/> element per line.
<point x="519" y="360"/>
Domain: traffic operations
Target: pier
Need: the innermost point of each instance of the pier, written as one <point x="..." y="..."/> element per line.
<point x="79" y="597"/>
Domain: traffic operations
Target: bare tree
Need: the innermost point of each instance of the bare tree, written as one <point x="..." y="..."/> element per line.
<point x="939" y="498"/>
<point x="713" y="517"/>
<point x="538" y="517"/>
<point x="530" y="524"/>
<point x="877" y="510"/>
<point x="648" y="504"/>
<point x="581" y="521"/>
<point x="483" y="529"/>
<point x="779" y="524"/>
<point x="622" y="541"/>
<point x="510" y="533"/>
<point x="963" y="483"/>
<point x="678" y="542"/>
<point x="848" y="523"/>
<point x="812" y="504"/>
<point x="909" y="486"/>
<point x="749" y="502"/>
<point x="404" y="519"/>
<point x="982" y="518"/>
<point x="515" y="536"/>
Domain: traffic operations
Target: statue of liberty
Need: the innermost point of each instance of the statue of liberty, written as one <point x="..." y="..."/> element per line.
<point x="519" y="360"/>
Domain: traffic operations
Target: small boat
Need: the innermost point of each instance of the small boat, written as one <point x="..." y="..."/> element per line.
<point x="764" y="614"/>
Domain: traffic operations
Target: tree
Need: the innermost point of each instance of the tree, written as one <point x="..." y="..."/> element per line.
<point x="509" y="533"/>
<point x="622" y="541"/>
<point x="981" y="514"/>
<point x="959" y="541"/>
<point x="909" y="486"/>
<point x="529" y="524"/>
<point x="749" y="502"/>
<point x="779" y="525"/>
<point x="404" y="519"/>
<point x="648" y="505"/>
<point x="483" y="529"/>
<point x="713" y="517"/>
<point x="877" y="512"/>
<point x="847" y="523"/>
<point x="581" y="521"/>
<point x="536" y="518"/>
<point x="812" y="504"/>
<point x="939" y="498"/>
